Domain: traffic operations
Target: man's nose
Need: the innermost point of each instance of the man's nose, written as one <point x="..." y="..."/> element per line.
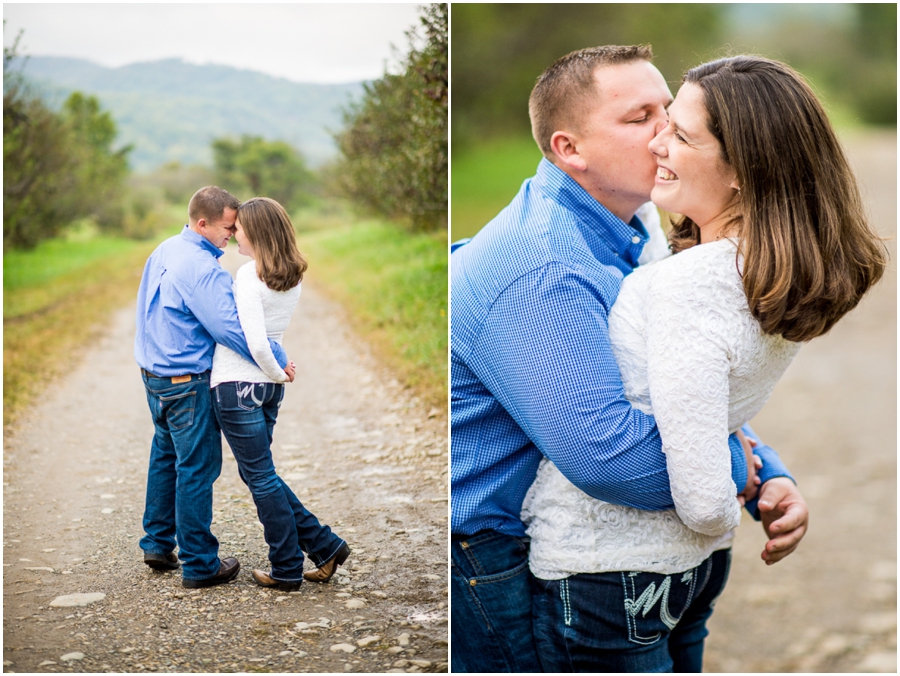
<point x="656" y="146"/>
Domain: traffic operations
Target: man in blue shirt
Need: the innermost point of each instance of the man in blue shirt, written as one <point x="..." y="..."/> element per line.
<point x="185" y="306"/>
<point x="532" y="371"/>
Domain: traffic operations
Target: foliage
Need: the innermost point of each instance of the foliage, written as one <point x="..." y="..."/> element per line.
<point x="394" y="144"/>
<point x="254" y="167"/>
<point x="500" y="49"/>
<point x="171" y="110"/>
<point x="394" y="286"/>
<point x="57" y="166"/>
<point x="848" y="52"/>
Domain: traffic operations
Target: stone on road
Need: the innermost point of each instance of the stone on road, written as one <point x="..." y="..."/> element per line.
<point x="360" y="451"/>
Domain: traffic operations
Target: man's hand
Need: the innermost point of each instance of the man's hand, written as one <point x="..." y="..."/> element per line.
<point x="753" y="464"/>
<point x="290" y="369"/>
<point x="785" y="518"/>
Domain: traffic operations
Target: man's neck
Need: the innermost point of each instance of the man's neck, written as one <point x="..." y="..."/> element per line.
<point x="624" y="210"/>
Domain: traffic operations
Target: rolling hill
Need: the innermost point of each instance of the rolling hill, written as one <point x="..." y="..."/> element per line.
<point x="171" y="110"/>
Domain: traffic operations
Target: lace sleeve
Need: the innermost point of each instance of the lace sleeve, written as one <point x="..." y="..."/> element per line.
<point x="253" y="321"/>
<point x="690" y="318"/>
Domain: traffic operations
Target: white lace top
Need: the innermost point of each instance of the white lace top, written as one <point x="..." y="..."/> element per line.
<point x="685" y="340"/>
<point x="264" y="314"/>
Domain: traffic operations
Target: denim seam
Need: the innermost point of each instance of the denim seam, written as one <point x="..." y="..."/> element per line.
<point x="712" y="604"/>
<point x="471" y="592"/>
<point x="567" y="606"/>
<point x="328" y="558"/>
<point x="631" y="620"/>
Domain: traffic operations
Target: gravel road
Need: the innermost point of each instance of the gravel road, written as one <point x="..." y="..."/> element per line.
<point x="358" y="449"/>
<point x="831" y="606"/>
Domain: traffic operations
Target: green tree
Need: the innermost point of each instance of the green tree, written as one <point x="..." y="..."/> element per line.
<point x="57" y="167"/>
<point x="394" y="144"/>
<point x="262" y="168"/>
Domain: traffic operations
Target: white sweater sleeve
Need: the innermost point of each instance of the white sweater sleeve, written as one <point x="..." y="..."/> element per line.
<point x="248" y="297"/>
<point x="689" y="320"/>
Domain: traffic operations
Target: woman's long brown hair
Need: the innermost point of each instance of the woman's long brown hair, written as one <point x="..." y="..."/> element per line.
<point x="809" y="252"/>
<point x="279" y="263"/>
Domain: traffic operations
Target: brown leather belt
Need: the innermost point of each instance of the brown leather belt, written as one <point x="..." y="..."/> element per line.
<point x="176" y="380"/>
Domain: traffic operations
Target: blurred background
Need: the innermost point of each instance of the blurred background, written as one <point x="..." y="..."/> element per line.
<point x="831" y="606"/>
<point x="847" y="51"/>
<point x="339" y="113"/>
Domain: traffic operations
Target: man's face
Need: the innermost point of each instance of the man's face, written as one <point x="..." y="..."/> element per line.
<point x="220" y="231"/>
<point x="613" y="137"/>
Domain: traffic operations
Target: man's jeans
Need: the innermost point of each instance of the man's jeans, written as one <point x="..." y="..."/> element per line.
<point x="247" y="413"/>
<point x="491" y="586"/>
<point x="628" y="621"/>
<point x="185" y="461"/>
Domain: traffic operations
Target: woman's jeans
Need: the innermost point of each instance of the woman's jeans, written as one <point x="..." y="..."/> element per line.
<point x="247" y="412"/>
<point x="185" y="461"/>
<point x="490" y="621"/>
<point x="628" y="621"/>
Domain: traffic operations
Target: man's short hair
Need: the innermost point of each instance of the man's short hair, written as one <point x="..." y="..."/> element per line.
<point x="563" y="93"/>
<point x="210" y="203"/>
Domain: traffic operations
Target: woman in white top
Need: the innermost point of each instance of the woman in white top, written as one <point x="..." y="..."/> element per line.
<point x="783" y="250"/>
<point x="247" y="397"/>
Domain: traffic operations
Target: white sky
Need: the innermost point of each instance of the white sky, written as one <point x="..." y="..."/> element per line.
<point x="301" y="42"/>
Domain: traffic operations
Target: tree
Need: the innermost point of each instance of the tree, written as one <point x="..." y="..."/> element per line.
<point x="262" y="168"/>
<point x="57" y="167"/>
<point x="394" y="144"/>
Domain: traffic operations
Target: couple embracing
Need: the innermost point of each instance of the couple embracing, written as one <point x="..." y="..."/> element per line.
<point x="211" y="362"/>
<point x="601" y="386"/>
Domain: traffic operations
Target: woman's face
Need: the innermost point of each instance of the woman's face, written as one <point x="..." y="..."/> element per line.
<point x="244" y="247"/>
<point x="692" y="179"/>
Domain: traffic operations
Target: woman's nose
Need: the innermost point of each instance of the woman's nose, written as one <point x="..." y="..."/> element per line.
<point x="656" y="145"/>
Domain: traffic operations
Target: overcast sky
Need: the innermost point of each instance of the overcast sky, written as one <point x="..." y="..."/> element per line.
<point x="305" y="43"/>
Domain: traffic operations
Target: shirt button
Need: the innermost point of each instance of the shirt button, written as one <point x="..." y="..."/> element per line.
<point x="635" y="240"/>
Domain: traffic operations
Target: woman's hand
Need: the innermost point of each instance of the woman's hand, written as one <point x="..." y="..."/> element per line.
<point x="290" y="369"/>
<point x="753" y="464"/>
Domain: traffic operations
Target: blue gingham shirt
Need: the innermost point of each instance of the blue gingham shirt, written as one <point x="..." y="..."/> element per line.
<point x="532" y="370"/>
<point x="185" y="306"/>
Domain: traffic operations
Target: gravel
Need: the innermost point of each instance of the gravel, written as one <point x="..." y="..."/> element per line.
<point x="361" y="452"/>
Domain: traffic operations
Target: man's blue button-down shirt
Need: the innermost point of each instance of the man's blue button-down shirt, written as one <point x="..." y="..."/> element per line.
<point x="185" y="306"/>
<point x="532" y="370"/>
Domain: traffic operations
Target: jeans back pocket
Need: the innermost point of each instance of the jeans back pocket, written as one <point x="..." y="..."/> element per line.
<point x="654" y="603"/>
<point x="178" y="409"/>
<point x="250" y="396"/>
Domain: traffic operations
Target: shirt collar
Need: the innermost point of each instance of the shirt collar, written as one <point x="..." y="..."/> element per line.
<point x="197" y="239"/>
<point x="627" y="240"/>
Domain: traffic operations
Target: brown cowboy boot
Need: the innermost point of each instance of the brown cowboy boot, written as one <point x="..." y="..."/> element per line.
<point x="327" y="570"/>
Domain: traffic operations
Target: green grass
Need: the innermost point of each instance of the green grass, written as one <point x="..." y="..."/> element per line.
<point x="393" y="284"/>
<point x="57" y="298"/>
<point x="485" y="178"/>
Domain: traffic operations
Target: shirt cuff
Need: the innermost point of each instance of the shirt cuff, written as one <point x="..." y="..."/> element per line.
<point x="280" y="354"/>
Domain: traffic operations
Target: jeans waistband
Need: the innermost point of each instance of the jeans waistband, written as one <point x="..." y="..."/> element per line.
<point x="176" y="380"/>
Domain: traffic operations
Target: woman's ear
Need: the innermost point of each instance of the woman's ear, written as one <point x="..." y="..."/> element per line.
<point x="565" y="146"/>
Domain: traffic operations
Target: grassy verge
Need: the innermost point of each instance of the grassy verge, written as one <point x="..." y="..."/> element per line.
<point x="56" y="300"/>
<point x="485" y="178"/>
<point x="394" y="286"/>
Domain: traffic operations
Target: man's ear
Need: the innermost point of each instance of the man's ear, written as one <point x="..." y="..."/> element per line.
<point x="201" y="223"/>
<point x="565" y="146"/>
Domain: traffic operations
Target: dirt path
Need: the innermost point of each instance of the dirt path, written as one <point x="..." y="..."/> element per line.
<point x="359" y="451"/>
<point x="832" y="605"/>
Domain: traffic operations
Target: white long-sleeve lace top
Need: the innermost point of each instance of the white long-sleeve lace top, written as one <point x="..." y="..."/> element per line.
<point x="264" y="314"/>
<point x="691" y="354"/>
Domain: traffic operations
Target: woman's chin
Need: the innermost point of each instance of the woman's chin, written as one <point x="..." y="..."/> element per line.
<point x="661" y="196"/>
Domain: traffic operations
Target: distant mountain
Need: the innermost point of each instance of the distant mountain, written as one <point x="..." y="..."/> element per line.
<point x="171" y="110"/>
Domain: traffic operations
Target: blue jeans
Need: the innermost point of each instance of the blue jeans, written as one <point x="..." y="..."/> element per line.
<point x="185" y="461"/>
<point x="628" y="621"/>
<point x="247" y="414"/>
<point x="491" y="587"/>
